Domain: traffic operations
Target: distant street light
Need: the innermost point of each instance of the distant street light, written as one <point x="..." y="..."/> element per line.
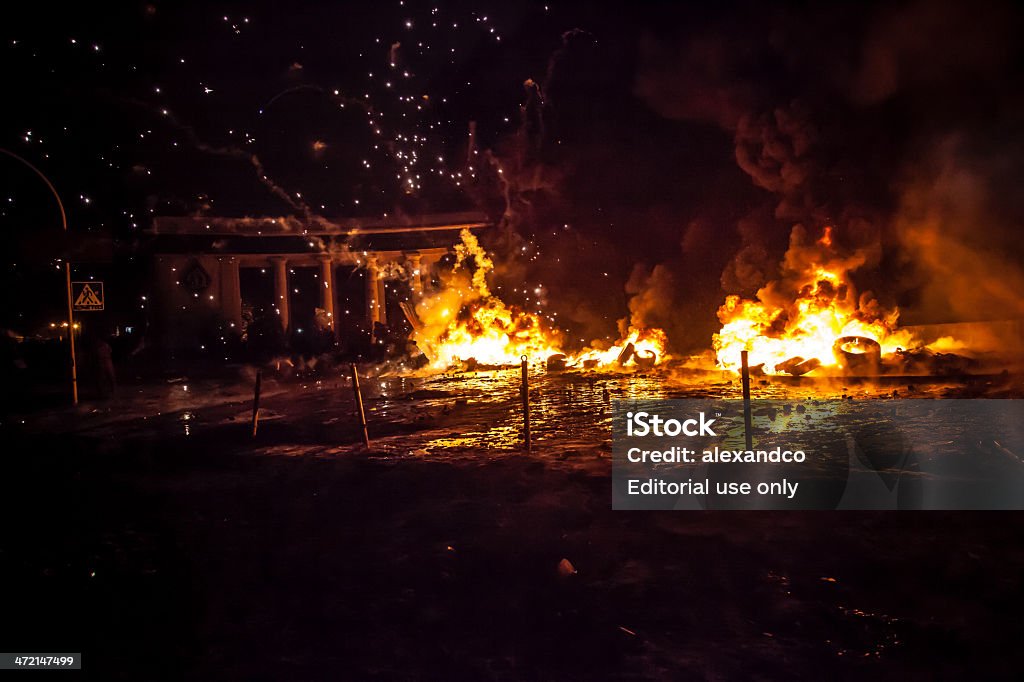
<point x="67" y="273"/>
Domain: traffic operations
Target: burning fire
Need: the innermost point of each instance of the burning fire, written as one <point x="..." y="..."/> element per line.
<point x="801" y="317"/>
<point x="463" y="320"/>
<point x="647" y="343"/>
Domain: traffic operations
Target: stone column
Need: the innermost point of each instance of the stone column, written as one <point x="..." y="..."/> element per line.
<point x="428" y="270"/>
<point x="382" y="301"/>
<point x="231" y="291"/>
<point x="373" y="299"/>
<point x="415" y="273"/>
<point x="280" y="264"/>
<point x="327" y="288"/>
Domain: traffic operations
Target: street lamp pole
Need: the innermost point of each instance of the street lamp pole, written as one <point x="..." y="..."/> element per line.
<point x="67" y="273"/>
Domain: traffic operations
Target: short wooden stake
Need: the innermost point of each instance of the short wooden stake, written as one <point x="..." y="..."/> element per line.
<point x="525" y="392"/>
<point x="748" y="427"/>
<point x="256" y="402"/>
<point x="359" y="405"/>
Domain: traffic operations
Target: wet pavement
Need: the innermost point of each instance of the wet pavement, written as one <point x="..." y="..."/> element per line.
<point x="436" y="413"/>
<point x="154" y="527"/>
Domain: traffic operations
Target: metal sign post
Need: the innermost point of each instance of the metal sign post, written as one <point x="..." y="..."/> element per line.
<point x="71" y="324"/>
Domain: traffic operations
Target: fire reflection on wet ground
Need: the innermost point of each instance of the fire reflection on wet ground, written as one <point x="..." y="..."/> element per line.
<point x="482" y="410"/>
<point x="441" y="545"/>
<point x="465" y="410"/>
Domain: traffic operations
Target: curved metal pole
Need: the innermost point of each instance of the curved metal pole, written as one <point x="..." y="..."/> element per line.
<point x="67" y="272"/>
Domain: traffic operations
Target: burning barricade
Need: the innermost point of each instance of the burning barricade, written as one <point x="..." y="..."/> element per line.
<point x="463" y="324"/>
<point x="811" y="319"/>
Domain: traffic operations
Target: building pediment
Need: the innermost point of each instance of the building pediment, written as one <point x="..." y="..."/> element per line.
<point x="294" y="226"/>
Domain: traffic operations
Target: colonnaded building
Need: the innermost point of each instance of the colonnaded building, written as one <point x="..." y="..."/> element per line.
<point x="345" y="275"/>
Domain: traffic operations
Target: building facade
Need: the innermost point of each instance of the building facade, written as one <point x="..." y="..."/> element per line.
<point x="213" y="274"/>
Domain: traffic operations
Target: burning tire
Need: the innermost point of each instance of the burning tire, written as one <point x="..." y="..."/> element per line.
<point x="557" y="363"/>
<point x="645" y="359"/>
<point x="858" y="354"/>
<point x="797" y="366"/>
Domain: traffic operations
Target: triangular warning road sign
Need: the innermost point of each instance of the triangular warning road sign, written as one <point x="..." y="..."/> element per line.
<point x="89" y="298"/>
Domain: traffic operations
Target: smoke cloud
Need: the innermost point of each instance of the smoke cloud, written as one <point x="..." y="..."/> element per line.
<point x="898" y="130"/>
<point x="965" y="246"/>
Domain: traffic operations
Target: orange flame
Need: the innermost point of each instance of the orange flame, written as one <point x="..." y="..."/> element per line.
<point x="802" y="314"/>
<point x="463" y="320"/>
<point x="826" y="237"/>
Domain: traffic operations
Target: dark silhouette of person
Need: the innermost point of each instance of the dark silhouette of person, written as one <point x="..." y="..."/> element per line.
<point x="103" y="361"/>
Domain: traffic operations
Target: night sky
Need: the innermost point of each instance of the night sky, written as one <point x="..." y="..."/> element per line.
<point x="656" y="150"/>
